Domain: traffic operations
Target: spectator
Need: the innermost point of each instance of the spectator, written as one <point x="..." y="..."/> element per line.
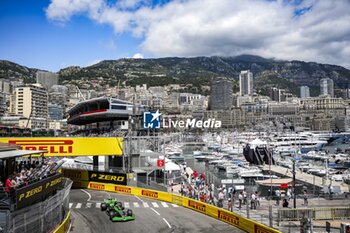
<point x="229" y="206"/>
<point x="221" y="197"/>
<point x="244" y="197"/>
<point x="224" y="191"/>
<point x="257" y="199"/>
<point x="240" y="199"/>
<point x="285" y="203"/>
<point x="253" y="202"/>
<point x="8" y="185"/>
<point x="330" y="191"/>
<point x="306" y="196"/>
<point x="289" y="194"/>
<point x="13" y="181"/>
<point x="278" y="197"/>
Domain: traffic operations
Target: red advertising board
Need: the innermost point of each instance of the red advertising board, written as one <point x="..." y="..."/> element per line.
<point x="283" y="186"/>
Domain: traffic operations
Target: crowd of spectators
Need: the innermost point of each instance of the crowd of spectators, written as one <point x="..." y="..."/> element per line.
<point x="28" y="172"/>
<point x="196" y="187"/>
<point x="110" y="132"/>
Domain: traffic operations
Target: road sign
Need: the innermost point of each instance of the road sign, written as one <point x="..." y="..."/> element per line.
<point x="160" y="162"/>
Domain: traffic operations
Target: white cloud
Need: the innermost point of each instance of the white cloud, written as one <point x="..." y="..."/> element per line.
<point x="204" y="27"/>
<point x="137" y="56"/>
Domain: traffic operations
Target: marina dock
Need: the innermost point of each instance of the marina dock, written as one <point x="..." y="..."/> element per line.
<point x="307" y="178"/>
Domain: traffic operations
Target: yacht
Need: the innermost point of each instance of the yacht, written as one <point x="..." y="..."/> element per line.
<point x="290" y="143"/>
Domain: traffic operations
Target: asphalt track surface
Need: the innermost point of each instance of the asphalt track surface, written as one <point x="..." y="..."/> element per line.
<point x="151" y="216"/>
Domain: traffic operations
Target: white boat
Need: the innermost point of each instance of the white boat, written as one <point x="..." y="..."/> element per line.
<point x="197" y="153"/>
<point x="296" y="142"/>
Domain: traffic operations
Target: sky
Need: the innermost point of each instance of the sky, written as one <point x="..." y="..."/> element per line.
<point x="54" y="34"/>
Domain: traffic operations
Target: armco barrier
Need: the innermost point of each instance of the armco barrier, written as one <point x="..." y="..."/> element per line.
<point x="236" y="220"/>
<point x="64" y="227"/>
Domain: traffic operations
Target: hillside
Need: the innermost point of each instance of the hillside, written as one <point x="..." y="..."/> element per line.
<point x="11" y="70"/>
<point x="197" y="71"/>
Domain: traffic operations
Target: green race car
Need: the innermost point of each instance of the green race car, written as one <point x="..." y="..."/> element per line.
<point x="116" y="211"/>
<point x="110" y="203"/>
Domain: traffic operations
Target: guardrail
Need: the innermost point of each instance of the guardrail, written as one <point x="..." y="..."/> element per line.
<point x="313" y="213"/>
<point x="64" y="227"/>
<point x="231" y="218"/>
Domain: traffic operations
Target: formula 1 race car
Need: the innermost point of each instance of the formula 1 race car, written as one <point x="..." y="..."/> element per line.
<point x="110" y="203"/>
<point x="116" y="211"/>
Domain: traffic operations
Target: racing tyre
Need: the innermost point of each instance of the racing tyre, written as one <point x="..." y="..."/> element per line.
<point x="112" y="214"/>
<point x="120" y="205"/>
<point x="129" y="212"/>
<point x="103" y="206"/>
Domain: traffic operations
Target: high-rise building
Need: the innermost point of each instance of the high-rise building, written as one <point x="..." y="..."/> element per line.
<point x="46" y="79"/>
<point x="58" y="94"/>
<point x="304" y="92"/>
<point x="246" y="86"/>
<point x="327" y="87"/>
<point x="2" y="104"/>
<point x="278" y="95"/>
<point x="55" y="111"/>
<point x="221" y="94"/>
<point x="31" y="103"/>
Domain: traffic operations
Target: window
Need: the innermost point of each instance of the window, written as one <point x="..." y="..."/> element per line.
<point x="119" y="107"/>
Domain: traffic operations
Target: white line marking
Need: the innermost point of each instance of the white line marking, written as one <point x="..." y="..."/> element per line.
<point x="164" y="204"/>
<point x="145" y="204"/>
<point x="78" y="206"/>
<point x="88" y="205"/>
<point x="126" y="205"/>
<point x="87" y="194"/>
<point x="155" y="204"/>
<point x="98" y="205"/>
<point x="174" y="205"/>
<point x="70" y="226"/>
<point x="166" y="222"/>
<point x="136" y="204"/>
<point x="155" y="211"/>
<point x="139" y="198"/>
<point x="109" y="195"/>
<point x="70" y="205"/>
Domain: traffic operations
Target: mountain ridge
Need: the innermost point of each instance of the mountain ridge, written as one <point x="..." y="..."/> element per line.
<point x="196" y="71"/>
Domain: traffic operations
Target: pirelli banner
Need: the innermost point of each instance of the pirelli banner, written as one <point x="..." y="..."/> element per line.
<point x="234" y="219"/>
<point x="70" y="146"/>
<point x="78" y="176"/>
<point x="38" y="191"/>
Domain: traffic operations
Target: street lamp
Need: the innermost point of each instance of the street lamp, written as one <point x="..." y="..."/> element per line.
<point x="294" y="195"/>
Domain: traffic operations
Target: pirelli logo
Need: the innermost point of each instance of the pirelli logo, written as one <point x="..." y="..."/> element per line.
<point x="122" y="189"/>
<point x="196" y="205"/>
<point x="52" y="146"/>
<point x="97" y="186"/>
<point x="259" y="229"/>
<point x="229" y="218"/>
<point x="150" y="194"/>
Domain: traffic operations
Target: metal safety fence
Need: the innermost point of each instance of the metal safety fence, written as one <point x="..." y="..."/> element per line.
<point x="313" y="213"/>
<point x="41" y="217"/>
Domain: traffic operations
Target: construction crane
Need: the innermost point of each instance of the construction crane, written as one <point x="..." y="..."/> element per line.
<point x="81" y="94"/>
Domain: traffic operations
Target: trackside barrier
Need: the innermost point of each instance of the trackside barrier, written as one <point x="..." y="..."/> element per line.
<point x="64" y="227"/>
<point x="236" y="220"/>
<point x="314" y="213"/>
